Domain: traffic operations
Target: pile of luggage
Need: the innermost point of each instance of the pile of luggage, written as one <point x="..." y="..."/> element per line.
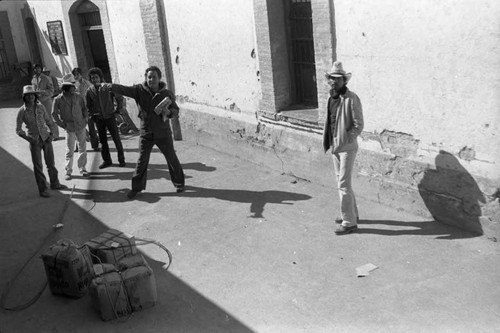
<point x="108" y="267"/>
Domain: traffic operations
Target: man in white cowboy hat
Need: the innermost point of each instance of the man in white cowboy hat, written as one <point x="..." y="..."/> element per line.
<point x="70" y="112"/>
<point x="40" y="128"/>
<point x="344" y="123"/>
<point x="43" y="84"/>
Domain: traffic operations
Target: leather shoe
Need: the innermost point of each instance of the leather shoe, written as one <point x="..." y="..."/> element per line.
<point x="132" y="193"/>
<point x="58" y="187"/>
<point x="180" y="189"/>
<point x="105" y="165"/>
<point x="45" y="194"/>
<point x="123" y="164"/>
<point x="345" y="230"/>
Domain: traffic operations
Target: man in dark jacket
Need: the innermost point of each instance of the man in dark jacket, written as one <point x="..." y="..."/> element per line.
<point x="156" y="105"/>
<point x="100" y="103"/>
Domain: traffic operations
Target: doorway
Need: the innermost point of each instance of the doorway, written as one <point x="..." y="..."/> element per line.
<point x="93" y="38"/>
<point x="36" y="58"/>
<point x="98" y="51"/>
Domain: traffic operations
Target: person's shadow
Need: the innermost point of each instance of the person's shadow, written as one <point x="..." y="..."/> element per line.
<point x="421" y="228"/>
<point x="451" y="194"/>
<point x="256" y="199"/>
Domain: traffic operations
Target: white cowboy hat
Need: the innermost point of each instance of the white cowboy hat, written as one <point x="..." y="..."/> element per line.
<point x="338" y="71"/>
<point x="68" y="80"/>
<point x="29" y="90"/>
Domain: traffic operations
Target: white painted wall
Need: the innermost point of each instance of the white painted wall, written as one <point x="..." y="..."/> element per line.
<point x="13" y="10"/>
<point x="213" y="41"/>
<point x="128" y="40"/>
<point x="429" y="69"/>
<point x="43" y="12"/>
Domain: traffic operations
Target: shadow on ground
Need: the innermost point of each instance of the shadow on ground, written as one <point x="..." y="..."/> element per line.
<point x="27" y="222"/>
<point x="256" y="199"/>
<point x="155" y="171"/>
<point x="421" y="228"/>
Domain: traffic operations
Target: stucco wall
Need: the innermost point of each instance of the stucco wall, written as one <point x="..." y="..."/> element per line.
<point x="13" y="10"/>
<point x="43" y="12"/>
<point x="428" y="69"/>
<point x="128" y="40"/>
<point x="211" y="44"/>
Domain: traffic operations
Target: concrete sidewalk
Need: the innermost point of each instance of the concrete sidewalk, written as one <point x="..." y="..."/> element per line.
<point x="254" y="251"/>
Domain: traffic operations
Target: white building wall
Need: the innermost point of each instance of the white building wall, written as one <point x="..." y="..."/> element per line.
<point x="43" y="12"/>
<point x="429" y="69"/>
<point x="211" y="44"/>
<point x="128" y="40"/>
<point x="13" y="10"/>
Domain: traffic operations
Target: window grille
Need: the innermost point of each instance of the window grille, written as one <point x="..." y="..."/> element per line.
<point x="302" y="48"/>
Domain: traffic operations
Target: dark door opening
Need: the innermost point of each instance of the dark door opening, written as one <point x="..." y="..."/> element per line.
<point x="98" y="51"/>
<point x="93" y="38"/>
<point x="36" y="58"/>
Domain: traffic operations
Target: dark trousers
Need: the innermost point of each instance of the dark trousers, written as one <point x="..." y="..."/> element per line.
<point x="36" y="156"/>
<point x="166" y="146"/>
<point x="94" y="139"/>
<point x="110" y="125"/>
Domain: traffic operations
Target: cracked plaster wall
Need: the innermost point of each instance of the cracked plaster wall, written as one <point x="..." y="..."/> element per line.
<point x="433" y="85"/>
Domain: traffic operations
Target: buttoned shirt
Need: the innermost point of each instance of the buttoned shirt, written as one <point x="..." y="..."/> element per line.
<point x="37" y="121"/>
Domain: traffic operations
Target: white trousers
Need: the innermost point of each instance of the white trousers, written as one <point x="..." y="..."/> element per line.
<point x="343" y="163"/>
<point x="72" y="137"/>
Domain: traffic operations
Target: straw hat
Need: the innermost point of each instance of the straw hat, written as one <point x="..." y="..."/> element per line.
<point x="68" y="80"/>
<point x="338" y="71"/>
<point x="29" y="89"/>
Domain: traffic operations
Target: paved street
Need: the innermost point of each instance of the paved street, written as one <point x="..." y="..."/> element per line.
<point x="254" y="251"/>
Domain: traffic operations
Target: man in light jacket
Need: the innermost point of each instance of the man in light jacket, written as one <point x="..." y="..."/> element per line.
<point x="43" y="84"/>
<point x="343" y="125"/>
<point x="70" y="113"/>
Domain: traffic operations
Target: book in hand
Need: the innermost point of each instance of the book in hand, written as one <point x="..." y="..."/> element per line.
<point x="162" y="108"/>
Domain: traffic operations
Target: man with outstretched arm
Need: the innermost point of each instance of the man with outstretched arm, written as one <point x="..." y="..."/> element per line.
<point x="156" y="105"/>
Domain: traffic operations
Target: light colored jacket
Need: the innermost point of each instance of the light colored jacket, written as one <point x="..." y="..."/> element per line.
<point x="38" y="123"/>
<point x="348" y="124"/>
<point x="70" y="112"/>
<point x="44" y="84"/>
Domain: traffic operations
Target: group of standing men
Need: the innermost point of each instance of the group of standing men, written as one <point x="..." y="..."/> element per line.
<point x="343" y="124"/>
<point x="83" y="103"/>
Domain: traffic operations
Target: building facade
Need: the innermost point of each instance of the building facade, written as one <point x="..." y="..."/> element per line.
<point x="249" y="77"/>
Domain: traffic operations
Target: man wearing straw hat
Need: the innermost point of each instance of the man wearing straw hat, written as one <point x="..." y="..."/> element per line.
<point x="40" y="128"/>
<point x="70" y="112"/>
<point x="344" y="123"/>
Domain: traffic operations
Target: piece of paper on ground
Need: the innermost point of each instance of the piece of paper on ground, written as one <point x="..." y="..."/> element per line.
<point x="365" y="270"/>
